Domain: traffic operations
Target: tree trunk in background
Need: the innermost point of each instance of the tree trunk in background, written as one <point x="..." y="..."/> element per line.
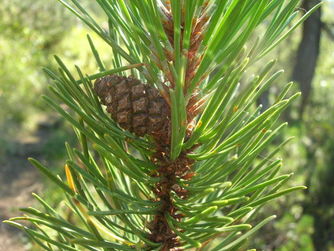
<point x="308" y="52"/>
<point x="319" y="201"/>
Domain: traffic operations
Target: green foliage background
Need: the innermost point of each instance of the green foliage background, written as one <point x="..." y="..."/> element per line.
<point x="30" y="36"/>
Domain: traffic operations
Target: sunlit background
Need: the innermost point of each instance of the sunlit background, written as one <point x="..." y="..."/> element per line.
<point x="32" y="31"/>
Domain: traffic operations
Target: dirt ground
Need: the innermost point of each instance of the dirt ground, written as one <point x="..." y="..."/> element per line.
<point x="18" y="180"/>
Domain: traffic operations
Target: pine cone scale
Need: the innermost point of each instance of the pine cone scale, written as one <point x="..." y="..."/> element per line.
<point x="140" y="105"/>
<point x="124" y="103"/>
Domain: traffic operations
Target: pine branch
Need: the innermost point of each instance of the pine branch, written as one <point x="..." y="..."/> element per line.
<point x="179" y="163"/>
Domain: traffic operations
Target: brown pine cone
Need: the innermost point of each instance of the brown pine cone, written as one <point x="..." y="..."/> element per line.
<point x="136" y="107"/>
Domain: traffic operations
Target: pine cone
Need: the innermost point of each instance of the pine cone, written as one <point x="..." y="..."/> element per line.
<point x="136" y="107"/>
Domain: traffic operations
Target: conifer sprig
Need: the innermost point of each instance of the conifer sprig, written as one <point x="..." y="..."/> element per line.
<point x="209" y="179"/>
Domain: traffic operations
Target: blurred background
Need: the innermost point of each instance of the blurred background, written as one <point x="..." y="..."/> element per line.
<point x="32" y="31"/>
